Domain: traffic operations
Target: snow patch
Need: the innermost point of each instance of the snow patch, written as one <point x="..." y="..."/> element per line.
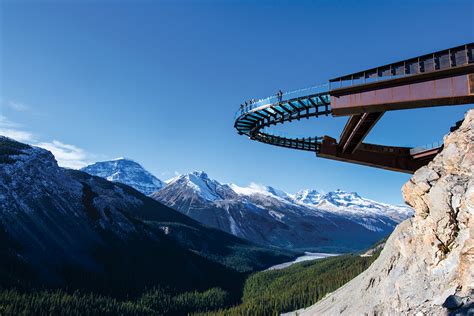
<point x="255" y="188"/>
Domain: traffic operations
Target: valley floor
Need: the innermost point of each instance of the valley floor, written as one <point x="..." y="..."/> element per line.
<point x="265" y="293"/>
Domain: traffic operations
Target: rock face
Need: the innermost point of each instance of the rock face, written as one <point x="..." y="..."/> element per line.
<point x="428" y="261"/>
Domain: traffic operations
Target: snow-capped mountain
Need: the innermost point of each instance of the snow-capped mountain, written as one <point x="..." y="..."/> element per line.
<point x="309" y="197"/>
<point x="309" y="219"/>
<point x="202" y="185"/>
<point x="65" y="227"/>
<point x="368" y="213"/>
<point x="128" y="172"/>
<point x="339" y="220"/>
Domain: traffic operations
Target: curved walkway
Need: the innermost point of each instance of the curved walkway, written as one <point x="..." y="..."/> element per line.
<point x="435" y="79"/>
<point x="295" y="105"/>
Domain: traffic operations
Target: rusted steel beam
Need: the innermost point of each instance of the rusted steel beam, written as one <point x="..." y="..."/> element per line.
<point x="389" y="83"/>
<point x="384" y="157"/>
<point x="456" y="56"/>
<point x="352" y="139"/>
<point x="350" y="124"/>
<point x="356" y="129"/>
<point x="429" y="153"/>
<point x="436" y="92"/>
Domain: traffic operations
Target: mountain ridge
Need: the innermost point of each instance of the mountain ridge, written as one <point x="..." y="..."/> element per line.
<point x="269" y="216"/>
<point x="239" y="210"/>
<point x="63" y="227"/>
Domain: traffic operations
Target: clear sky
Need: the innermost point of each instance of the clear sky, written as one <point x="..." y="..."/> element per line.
<point x="159" y="82"/>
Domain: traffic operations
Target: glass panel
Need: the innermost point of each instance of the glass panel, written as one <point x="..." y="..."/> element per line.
<point x="412" y="67"/>
<point x="346" y="83"/>
<point x="253" y="104"/>
<point x="358" y="79"/>
<point x="427" y="64"/>
<point x="443" y="61"/>
<point x="399" y="70"/>
<point x="279" y="108"/>
<point x="460" y="58"/>
<point x="286" y="105"/>
<point x="371" y="76"/>
<point x="385" y="72"/>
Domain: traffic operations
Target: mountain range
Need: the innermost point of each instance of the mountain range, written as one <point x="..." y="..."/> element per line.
<point x="66" y="228"/>
<point x="336" y="221"/>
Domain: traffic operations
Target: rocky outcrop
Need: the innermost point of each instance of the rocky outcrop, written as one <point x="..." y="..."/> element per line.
<point x="427" y="265"/>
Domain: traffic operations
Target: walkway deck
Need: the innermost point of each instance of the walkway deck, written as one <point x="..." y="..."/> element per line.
<point x="440" y="78"/>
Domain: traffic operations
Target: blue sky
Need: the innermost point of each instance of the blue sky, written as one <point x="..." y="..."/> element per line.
<point x="159" y="82"/>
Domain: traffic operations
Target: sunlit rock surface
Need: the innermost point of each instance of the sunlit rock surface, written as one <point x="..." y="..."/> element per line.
<point x="428" y="261"/>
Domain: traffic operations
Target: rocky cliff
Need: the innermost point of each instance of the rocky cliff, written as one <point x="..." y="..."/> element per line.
<point x="427" y="265"/>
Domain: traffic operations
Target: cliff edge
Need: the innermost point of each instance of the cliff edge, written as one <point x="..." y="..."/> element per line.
<point x="427" y="264"/>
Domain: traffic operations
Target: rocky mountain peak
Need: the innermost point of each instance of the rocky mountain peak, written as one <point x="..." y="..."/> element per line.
<point x="12" y="151"/>
<point x="340" y="197"/>
<point x="258" y="189"/>
<point x="200" y="174"/>
<point x="199" y="183"/>
<point x="308" y="196"/>
<point x="289" y="220"/>
<point x="128" y="172"/>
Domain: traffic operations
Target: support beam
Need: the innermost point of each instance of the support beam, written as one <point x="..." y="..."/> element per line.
<point x="321" y="99"/>
<point x="246" y="120"/>
<point x="451" y="86"/>
<point x="312" y="103"/>
<point x="288" y="111"/>
<point x="356" y="129"/>
<point x="294" y="107"/>
<point x="302" y="104"/>
<point x="278" y="111"/>
<point x="260" y="115"/>
<point x="269" y="113"/>
<point x="256" y="118"/>
<point x="384" y="157"/>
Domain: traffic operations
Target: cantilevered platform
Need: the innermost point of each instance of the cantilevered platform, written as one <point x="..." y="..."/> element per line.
<point x="441" y="78"/>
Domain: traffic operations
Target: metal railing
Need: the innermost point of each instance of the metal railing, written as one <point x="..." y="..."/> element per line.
<point x="449" y="58"/>
<point x="289" y="95"/>
<point x="426" y="147"/>
<point x="281" y="134"/>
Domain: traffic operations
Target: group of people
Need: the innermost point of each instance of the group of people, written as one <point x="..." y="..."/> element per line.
<point x="243" y="106"/>
<point x="247" y="103"/>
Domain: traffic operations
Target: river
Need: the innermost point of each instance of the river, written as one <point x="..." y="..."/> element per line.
<point x="306" y="257"/>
